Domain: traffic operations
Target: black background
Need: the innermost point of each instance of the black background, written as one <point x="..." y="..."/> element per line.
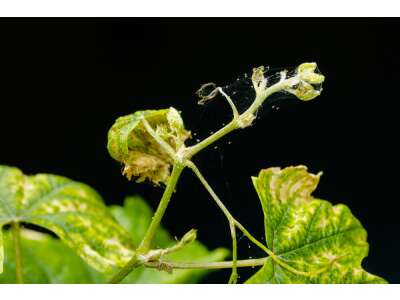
<point x="65" y="81"/>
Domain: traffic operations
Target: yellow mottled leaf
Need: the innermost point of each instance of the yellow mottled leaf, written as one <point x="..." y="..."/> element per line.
<point x="130" y="143"/>
<point x="323" y="243"/>
<point x="72" y="210"/>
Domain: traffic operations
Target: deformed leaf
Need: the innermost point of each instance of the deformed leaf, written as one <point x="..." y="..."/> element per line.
<point x="72" y="210"/>
<point x="327" y="243"/>
<point x="306" y="84"/>
<point x="130" y="143"/>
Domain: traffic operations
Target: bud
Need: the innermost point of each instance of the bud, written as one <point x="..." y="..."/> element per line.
<point x="306" y="72"/>
<point x="302" y="83"/>
<point x="189" y="237"/>
<point x="304" y="91"/>
<point x="258" y="78"/>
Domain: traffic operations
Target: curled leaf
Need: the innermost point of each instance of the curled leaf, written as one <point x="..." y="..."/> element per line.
<point x="325" y="243"/>
<point x="142" y="156"/>
<point x="306" y="83"/>
<point x="72" y="210"/>
<point x="207" y="92"/>
<point x="258" y="78"/>
<point x="307" y="73"/>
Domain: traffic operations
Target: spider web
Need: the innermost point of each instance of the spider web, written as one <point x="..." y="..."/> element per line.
<point x="242" y="92"/>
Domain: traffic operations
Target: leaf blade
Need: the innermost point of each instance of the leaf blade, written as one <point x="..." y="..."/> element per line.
<point x="45" y="260"/>
<point x="48" y="260"/>
<point x="72" y="210"/>
<point x="309" y="234"/>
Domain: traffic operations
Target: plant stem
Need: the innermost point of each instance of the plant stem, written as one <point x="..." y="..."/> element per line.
<point x="235" y="123"/>
<point x="180" y="162"/>
<point x="234" y="275"/>
<point x="117" y="278"/>
<point x="221" y="205"/>
<point x="232" y="125"/>
<point x="230" y="218"/>
<point x="211" y="265"/>
<point x="231" y="104"/>
<point x="155" y="222"/>
<point x="162" y="206"/>
<point x="262" y="96"/>
<point x="16" y="232"/>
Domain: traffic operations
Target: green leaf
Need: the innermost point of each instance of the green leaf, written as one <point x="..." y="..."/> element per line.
<point x="1" y="252"/>
<point x="135" y="216"/>
<point x="47" y="260"/>
<point x="310" y="235"/>
<point x="142" y="156"/>
<point x="72" y="210"/>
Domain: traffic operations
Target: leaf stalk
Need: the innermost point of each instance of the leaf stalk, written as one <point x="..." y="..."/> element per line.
<point x="16" y="233"/>
<point x="182" y="159"/>
<point x="210" y="265"/>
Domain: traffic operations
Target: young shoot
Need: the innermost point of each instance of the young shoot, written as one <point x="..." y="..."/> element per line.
<point x="307" y="240"/>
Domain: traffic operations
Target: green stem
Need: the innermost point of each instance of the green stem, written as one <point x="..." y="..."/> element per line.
<point x="152" y="256"/>
<point x="237" y="121"/>
<point x="221" y="205"/>
<point x="231" y="104"/>
<point x="262" y="96"/>
<point x="16" y="232"/>
<point x="211" y="265"/>
<point x="234" y="275"/>
<point x="155" y="223"/>
<point x="211" y="139"/>
<point x="180" y="162"/>
<point x="209" y="189"/>
<point x="230" y="218"/>
<point x="132" y="264"/>
<point x="162" y="206"/>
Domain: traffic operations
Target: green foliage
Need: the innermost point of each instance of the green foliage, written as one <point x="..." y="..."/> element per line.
<point x="135" y="216"/>
<point x="130" y="143"/>
<point x="48" y="260"/>
<point x="307" y="239"/>
<point x="72" y="210"/>
<point x="309" y="234"/>
<point x="45" y="260"/>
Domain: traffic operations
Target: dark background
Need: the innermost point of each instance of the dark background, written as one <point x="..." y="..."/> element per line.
<point x="65" y="81"/>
